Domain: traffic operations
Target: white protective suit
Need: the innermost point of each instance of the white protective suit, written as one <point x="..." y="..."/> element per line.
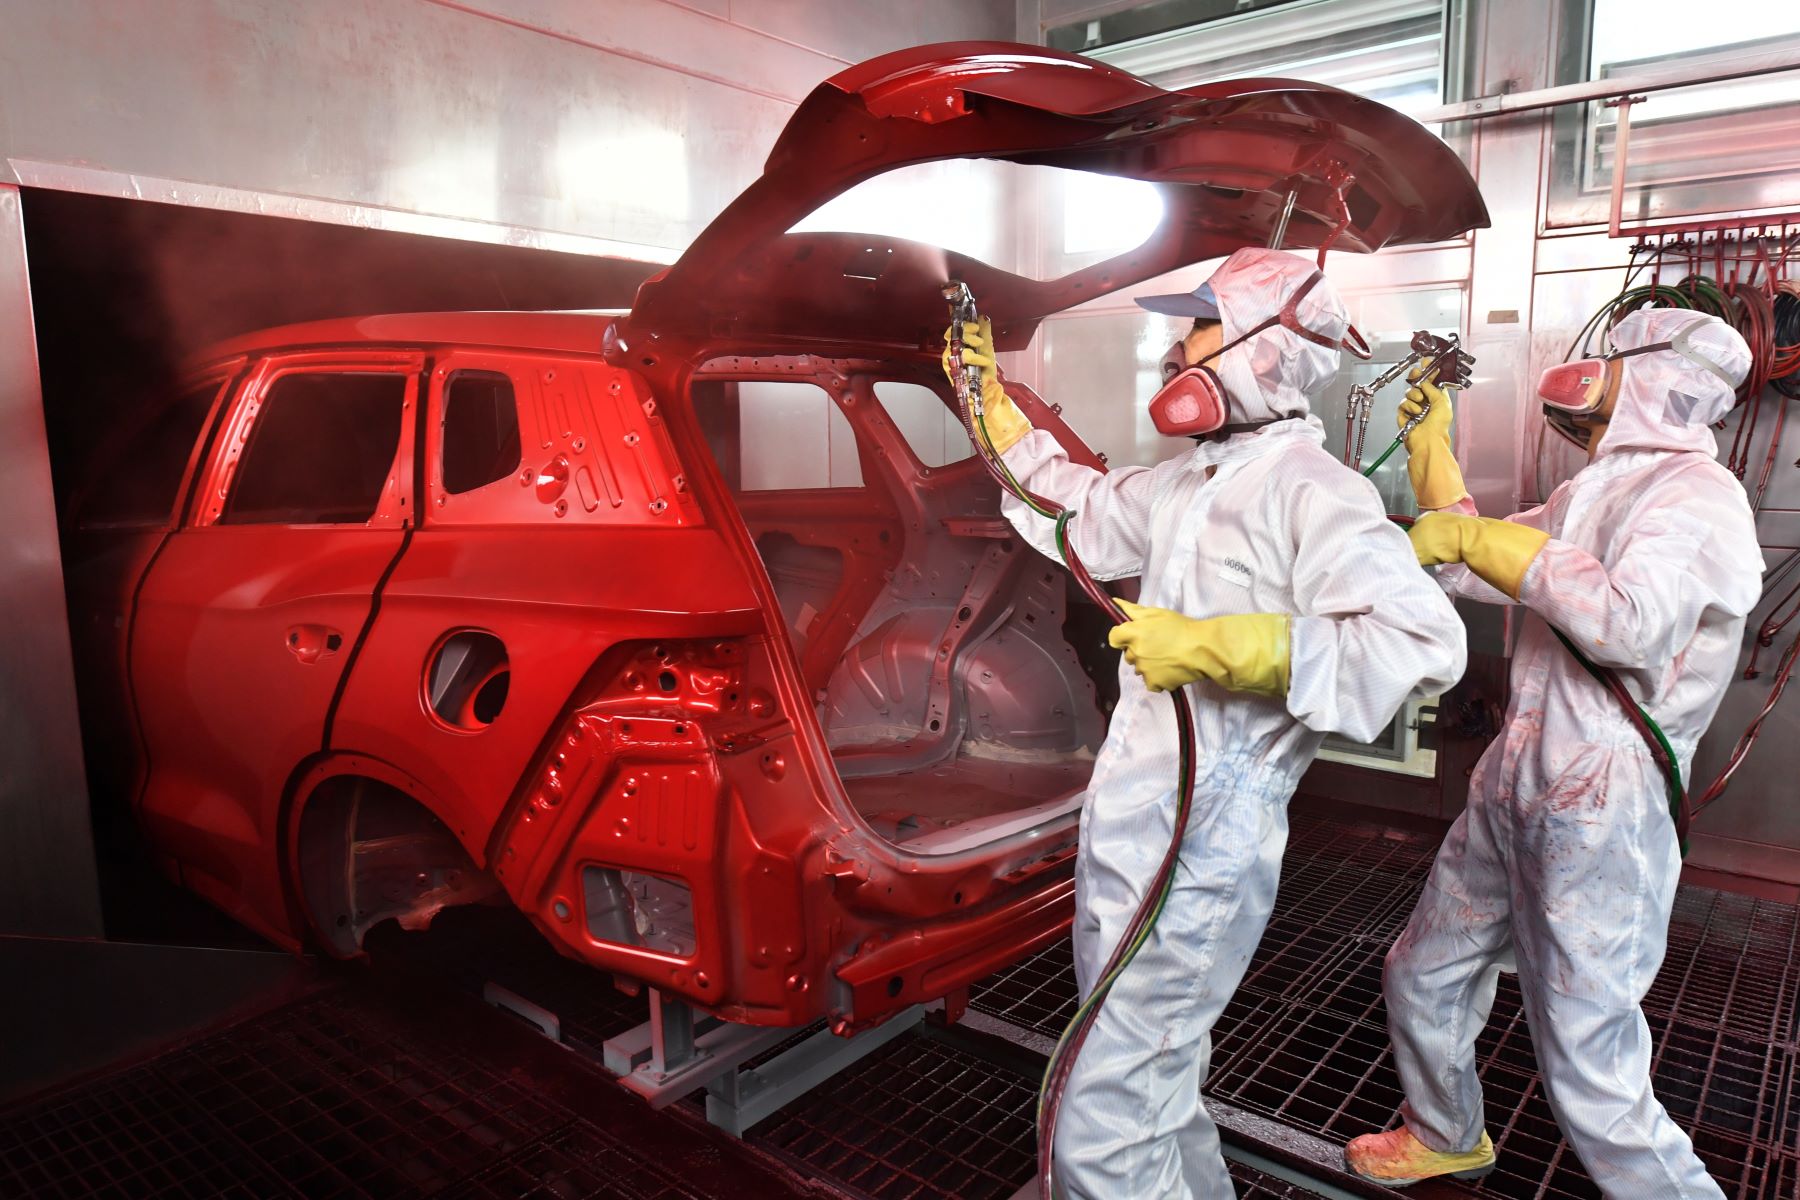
<point x="1261" y="522"/>
<point x="1566" y="858"/>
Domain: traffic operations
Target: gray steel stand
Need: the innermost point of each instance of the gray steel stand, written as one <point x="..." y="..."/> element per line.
<point x="739" y="1099"/>
<point x="679" y="1050"/>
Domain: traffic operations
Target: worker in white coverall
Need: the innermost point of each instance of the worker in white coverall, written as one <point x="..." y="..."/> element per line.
<point x="1566" y="859"/>
<point x="1274" y="584"/>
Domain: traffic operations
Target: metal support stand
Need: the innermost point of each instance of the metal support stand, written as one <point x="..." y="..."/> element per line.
<point x="676" y="1051"/>
<point x="679" y="1050"/>
<point x="739" y="1099"/>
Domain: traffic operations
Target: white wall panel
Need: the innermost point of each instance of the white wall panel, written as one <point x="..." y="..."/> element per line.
<point x="47" y="885"/>
<point x="855" y="31"/>
<point x="634" y="121"/>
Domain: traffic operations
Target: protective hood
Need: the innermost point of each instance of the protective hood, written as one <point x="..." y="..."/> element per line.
<point x="1275" y="373"/>
<point x="1666" y="401"/>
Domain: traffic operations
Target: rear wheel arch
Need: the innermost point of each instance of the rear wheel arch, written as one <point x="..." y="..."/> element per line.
<point x="365" y="844"/>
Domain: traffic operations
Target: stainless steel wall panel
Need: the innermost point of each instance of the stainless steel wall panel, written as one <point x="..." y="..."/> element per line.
<point x="635" y="121"/>
<point x="47" y="883"/>
<point x="726" y="45"/>
<point x="859" y="31"/>
<point x="1756" y="817"/>
<point x="410" y="106"/>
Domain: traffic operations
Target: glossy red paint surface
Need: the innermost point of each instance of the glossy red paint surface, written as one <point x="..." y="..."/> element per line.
<point x="787" y="751"/>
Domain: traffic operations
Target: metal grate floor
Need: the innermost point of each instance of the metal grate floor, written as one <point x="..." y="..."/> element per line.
<point x="917" y="1120"/>
<point x="1305" y="1039"/>
<point x="317" y="1100"/>
<point x="913" y="1121"/>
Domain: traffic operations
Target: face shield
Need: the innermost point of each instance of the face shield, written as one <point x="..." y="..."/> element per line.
<point x="1574" y="392"/>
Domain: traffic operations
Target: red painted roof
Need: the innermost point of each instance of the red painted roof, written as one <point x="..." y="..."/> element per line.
<point x="564" y="332"/>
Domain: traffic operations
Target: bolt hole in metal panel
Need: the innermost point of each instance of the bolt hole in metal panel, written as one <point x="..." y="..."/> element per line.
<point x="1305" y="1040"/>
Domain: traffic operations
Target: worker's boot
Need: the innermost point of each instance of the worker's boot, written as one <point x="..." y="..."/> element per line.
<point x="1397" y="1158"/>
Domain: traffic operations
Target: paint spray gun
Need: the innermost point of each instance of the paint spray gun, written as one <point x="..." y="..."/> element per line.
<point x="967" y="378"/>
<point x="1450" y="368"/>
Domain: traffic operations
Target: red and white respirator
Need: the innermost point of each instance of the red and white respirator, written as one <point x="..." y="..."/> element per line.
<point x="1192" y="400"/>
<point x="1578" y="389"/>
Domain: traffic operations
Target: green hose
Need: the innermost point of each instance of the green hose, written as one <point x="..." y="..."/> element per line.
<point x="1612" y="683"/>
<point x="1677" y="793"/>
<point x="1385" y="454"/>
<point x="1069" y="1044"/>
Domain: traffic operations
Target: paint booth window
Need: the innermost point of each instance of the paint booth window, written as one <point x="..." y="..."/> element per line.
<point x="777" y="435"/>
<point x="930" y="426"/>
<point x="138" y="486"/>
<point x="320" y="451"/>
<point x="1724" y="146"/>
<point x="481" y="431"/>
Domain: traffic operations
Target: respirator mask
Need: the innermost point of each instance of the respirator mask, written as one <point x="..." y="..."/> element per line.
<point x="1192" y="401"/>
<point x="1574" y="391"/>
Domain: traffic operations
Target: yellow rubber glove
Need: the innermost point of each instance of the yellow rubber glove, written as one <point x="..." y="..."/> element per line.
<point x="1004" y="422"/>
<point x="1498" y="551"/>
<point x="1431" y="466"/>
<point x="1246" y="652"/>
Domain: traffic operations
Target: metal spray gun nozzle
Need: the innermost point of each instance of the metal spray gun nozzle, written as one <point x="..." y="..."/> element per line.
<point x="968" y="380"/>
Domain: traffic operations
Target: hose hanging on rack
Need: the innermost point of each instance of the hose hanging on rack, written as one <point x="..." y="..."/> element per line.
<point x="1766" y="313"/>
<point x="1137" y="931"/>
<point x="1784" y="672"/>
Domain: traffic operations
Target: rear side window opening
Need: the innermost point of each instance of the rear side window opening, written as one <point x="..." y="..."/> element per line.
<point x="480" y="432"/>
<point x="320" y="452"/>
<point x="932" y="429"/>
<point x="773" y="435"/>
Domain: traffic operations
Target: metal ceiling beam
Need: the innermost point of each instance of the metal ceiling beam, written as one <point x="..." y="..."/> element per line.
<point x="1607" y="89"/>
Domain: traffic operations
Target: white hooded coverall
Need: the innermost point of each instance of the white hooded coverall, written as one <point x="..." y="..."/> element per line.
<point x="1260" y="522"/>
<point x="1566" y="858"/>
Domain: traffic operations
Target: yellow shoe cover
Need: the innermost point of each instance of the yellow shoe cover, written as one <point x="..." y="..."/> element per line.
<point x="1397" y="1158"/>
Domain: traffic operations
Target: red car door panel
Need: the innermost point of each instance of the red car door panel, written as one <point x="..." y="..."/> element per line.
<point x="519" y="550"/>
<point x="247" y="621"/>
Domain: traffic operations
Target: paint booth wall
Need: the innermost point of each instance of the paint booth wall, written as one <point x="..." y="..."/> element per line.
<point x="630" y="121"/>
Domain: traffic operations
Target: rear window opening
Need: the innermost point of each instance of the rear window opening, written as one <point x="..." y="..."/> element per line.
<point x="481" y="431"/>
<point x="960" y="680"/>
<point x="320" y="451"/>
